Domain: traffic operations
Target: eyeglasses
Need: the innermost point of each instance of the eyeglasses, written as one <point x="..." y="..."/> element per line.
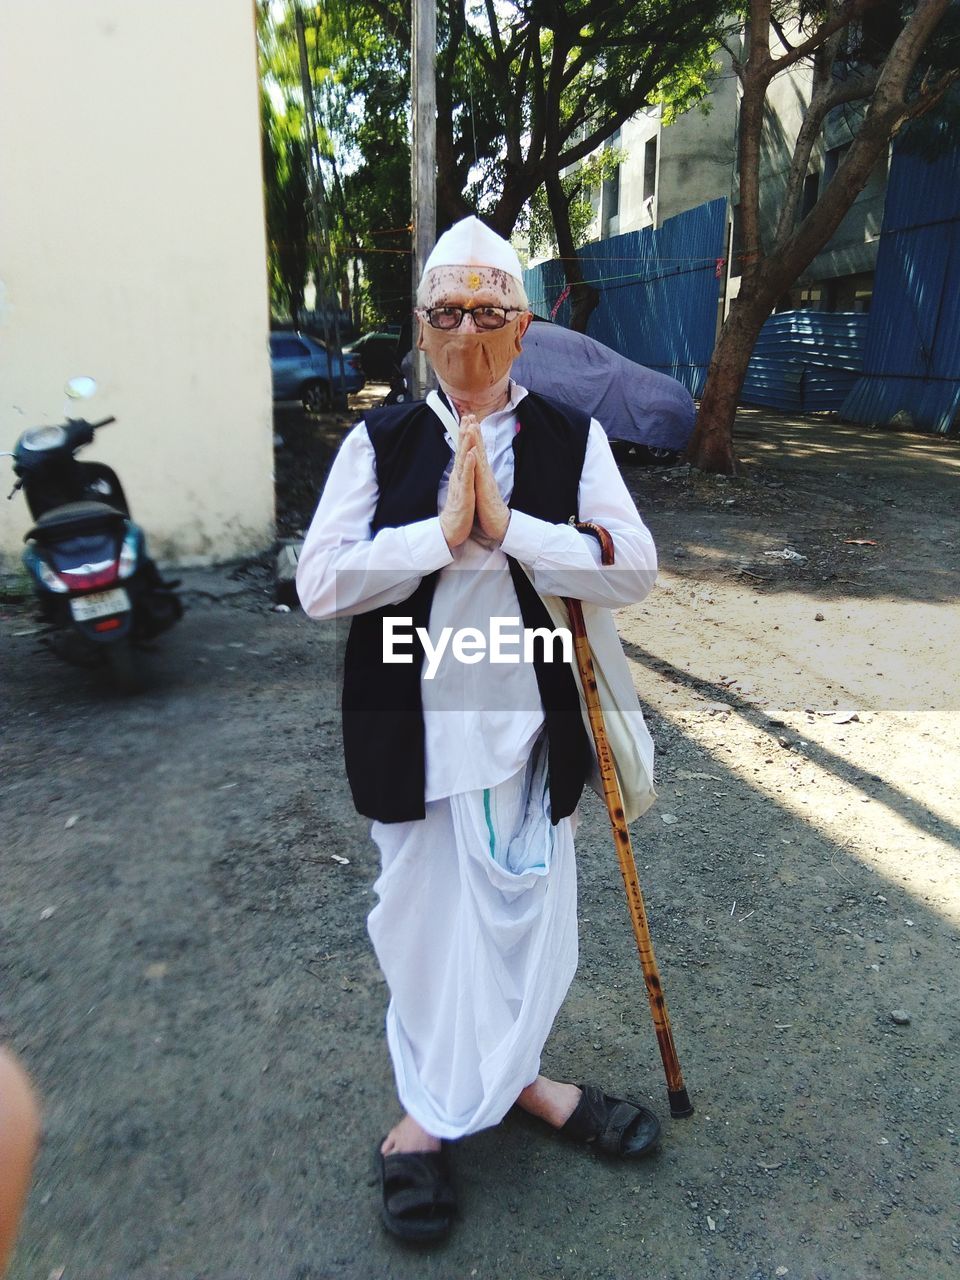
<point x="483" y="317"/>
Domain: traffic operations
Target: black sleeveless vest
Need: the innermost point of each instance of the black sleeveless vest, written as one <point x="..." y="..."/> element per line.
<point x="383" y="730"/>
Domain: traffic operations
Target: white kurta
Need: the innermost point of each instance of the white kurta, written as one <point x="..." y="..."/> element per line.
<point x="475" y="928"/>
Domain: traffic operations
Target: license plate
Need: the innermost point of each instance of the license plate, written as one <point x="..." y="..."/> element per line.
<point x="100" y="605"/>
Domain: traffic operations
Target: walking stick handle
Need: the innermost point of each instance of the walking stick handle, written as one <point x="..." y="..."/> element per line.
<point x="607" y="552"/>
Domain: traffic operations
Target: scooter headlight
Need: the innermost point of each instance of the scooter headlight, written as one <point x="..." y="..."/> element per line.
<point x="129" y="555"/>
<point x="39" y="439"/>
<point x="52" y="581"/>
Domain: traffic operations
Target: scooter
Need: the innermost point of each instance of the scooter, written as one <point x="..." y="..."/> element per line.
<point x="98" y="591"/>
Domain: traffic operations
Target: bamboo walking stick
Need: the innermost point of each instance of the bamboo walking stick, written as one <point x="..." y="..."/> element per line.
<point x="680" y="1104"/>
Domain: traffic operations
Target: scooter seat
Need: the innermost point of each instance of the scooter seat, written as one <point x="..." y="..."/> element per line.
<point x="73" y="518"/>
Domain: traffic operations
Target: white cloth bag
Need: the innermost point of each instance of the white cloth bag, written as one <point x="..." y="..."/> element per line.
<point x="630" y="742"/>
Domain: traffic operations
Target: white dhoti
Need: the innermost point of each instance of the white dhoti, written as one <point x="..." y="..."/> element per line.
<point x="476" y="933"/>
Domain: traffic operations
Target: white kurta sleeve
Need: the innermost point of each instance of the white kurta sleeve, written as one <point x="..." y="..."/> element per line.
<point x="343" y="568"/>
<point x="565" y="562"/>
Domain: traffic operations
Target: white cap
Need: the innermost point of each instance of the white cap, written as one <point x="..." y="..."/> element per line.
<point x="471" y="243"/>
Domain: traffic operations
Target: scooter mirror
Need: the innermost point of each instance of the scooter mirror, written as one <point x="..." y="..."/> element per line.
<point x="81" y="388"/>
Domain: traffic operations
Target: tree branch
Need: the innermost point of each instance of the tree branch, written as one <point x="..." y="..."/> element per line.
<point x="855" y="9"/>
<point x="887" y="112"/>
<point x="932" y="96"/>
<point x="754" y="79"/>
<point x="822" y="99"/>
<point x="554" y="90"/>
<point x="735" y="62"/>
<point x="538" y="106"/>
<point x="494" y="29"/>
<point x="600" y="135"/>
<point x="781" y="34"/>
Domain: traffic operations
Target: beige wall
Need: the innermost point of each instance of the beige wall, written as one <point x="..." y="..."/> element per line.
<point x="132" y="249"/>
<point x="698" y="151"/>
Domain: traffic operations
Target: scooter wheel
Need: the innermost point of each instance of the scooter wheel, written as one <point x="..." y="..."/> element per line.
<point x="123" y="664"/>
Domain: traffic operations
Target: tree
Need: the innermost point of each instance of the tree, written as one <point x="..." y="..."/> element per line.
<point x="578" y="188"/>
<point x="525" y="91"/>
<point x="302" y="235"/>
<point x="567" y="76"/>
<point x="897" y="61"/>
<point x="286" y="203"/>
<point x="560" y="217"/>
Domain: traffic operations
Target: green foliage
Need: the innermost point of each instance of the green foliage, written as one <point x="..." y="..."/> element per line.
<point x="286" y="201"/>
<point x="359" y="73"/>
<point x="687" y="85"/>
<point x="580" y="189"/>
<point x="524" y="90"/>
<point x="372" y="132"/>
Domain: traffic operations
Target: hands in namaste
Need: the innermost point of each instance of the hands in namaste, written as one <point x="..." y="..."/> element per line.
<point x="473" y="498"/>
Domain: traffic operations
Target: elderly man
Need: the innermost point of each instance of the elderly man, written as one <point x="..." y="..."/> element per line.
<point x="459" y="513"/>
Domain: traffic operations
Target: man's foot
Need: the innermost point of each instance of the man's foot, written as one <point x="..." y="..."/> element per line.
<point x="418" y="1203"/>
<point x="587" y="1115"/>
<point x="408" y="1136"/>
<point x="550" y="1100"/>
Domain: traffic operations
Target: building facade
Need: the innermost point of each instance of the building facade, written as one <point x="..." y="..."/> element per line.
<point x="669" y="169"/>
<point x="132" y="249"/>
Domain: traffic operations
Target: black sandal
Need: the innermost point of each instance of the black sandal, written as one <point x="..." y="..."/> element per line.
<point x="613" y="1126"/>
<point x="418" y="1200"/>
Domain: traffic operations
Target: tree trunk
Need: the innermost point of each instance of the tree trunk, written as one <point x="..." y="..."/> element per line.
<point x="583" y="297"/>
<point x="766" y="274"/>
<point x="711" y="445"/>
<point x="519" y="184"/>
<point x="451" y="177"/>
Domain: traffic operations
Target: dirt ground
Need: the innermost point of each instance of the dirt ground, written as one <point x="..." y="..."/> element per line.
<point x="184" y="965"/>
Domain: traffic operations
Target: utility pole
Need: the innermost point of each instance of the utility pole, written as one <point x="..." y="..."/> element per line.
<point x="423" y="158"/>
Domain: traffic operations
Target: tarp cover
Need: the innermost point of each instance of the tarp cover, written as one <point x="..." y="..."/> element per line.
<point x="632" y="403"/>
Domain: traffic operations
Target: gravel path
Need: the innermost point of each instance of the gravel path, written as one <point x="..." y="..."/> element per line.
<point x="184" y="965"/>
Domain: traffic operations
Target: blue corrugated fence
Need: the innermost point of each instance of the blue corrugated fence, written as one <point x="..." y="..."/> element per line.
<point x="911" y="362"/>
<point x="806" y="361"/>
<point x="658" y="292"/>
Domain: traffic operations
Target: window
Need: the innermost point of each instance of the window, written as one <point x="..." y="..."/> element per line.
<point x="611" y="195"/>
<point x="287" y="348"/>
<point x="849" y="293"/>
<point x="650" y="168"/>
<point x="810" y="298"/>
<point x="869" y="39"/>
<point x="832" y="160"/>
<point x="811" y="192"/>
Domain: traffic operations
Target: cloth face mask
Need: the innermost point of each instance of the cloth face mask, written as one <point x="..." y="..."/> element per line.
<point x="471" y="361"/>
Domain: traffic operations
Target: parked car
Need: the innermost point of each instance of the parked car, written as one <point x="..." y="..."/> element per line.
<point x="303" y="370"/>
<point x="647" y="415"/>
<point x="379" y="354"/>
